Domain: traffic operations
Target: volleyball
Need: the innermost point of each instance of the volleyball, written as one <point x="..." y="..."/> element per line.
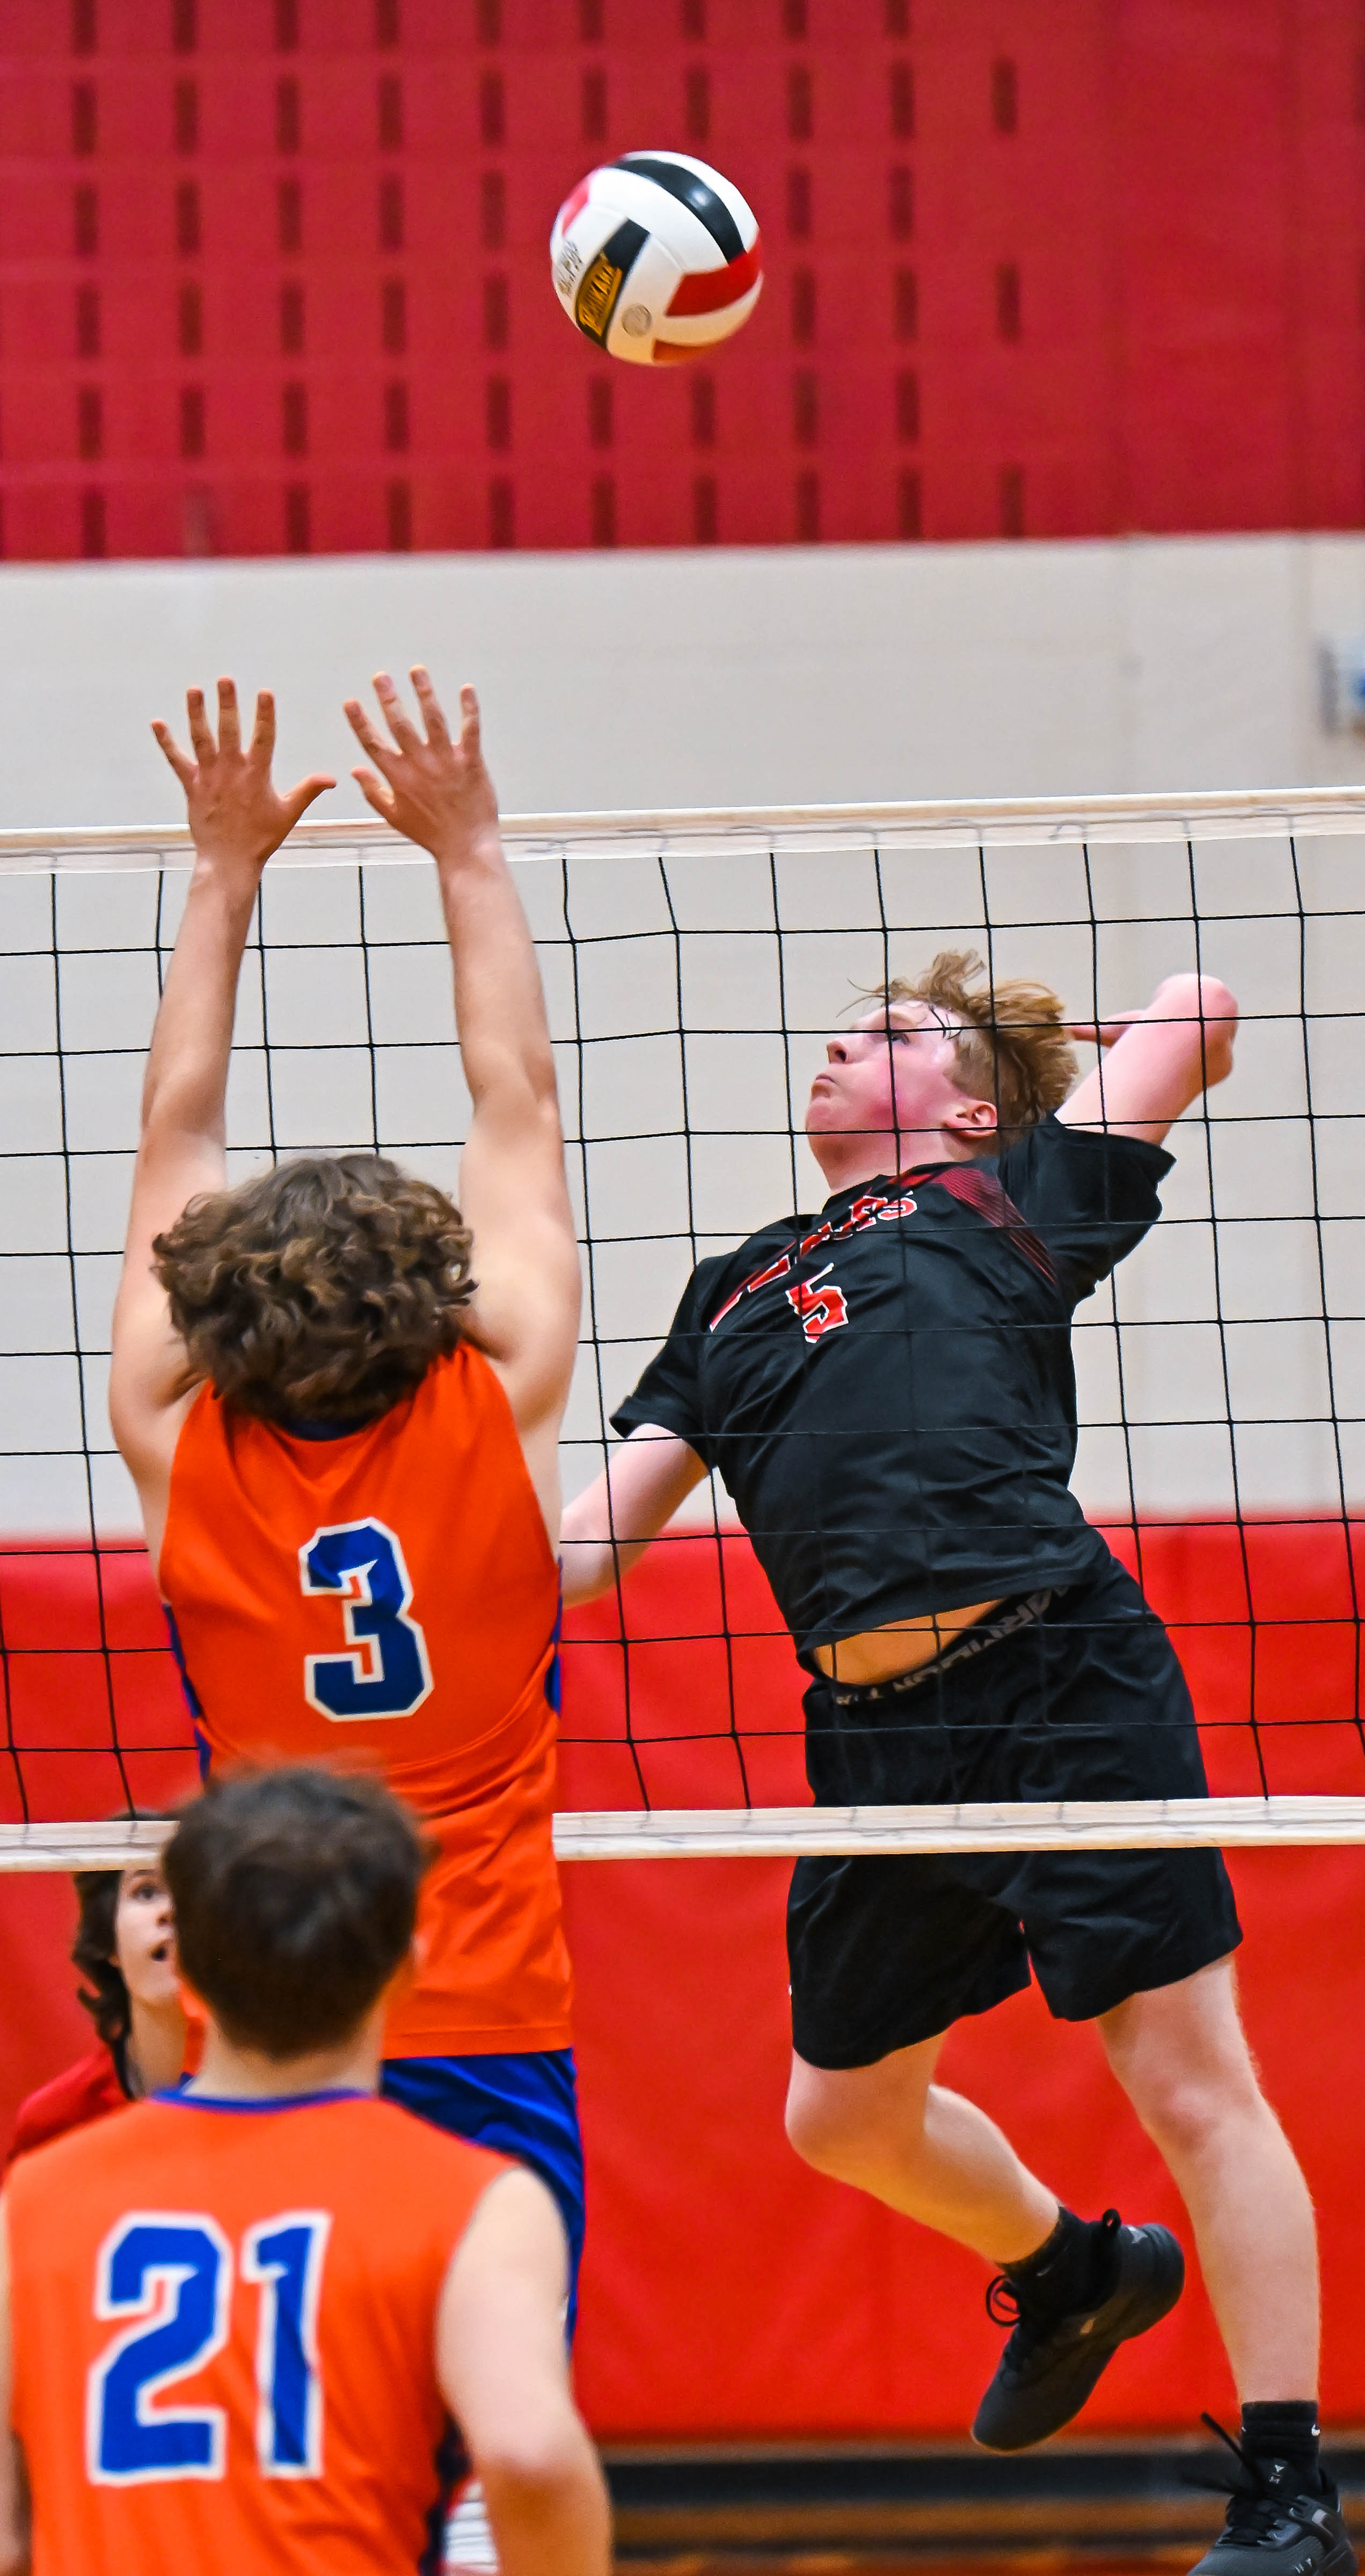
<point x="656" y="257"/>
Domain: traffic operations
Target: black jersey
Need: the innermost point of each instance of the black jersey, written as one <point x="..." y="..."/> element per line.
<point x="888" y="1389"/>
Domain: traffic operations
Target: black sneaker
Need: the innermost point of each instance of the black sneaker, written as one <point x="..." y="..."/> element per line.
<point x="1276" y="2525"/>
<point x="1049" y="2366"/>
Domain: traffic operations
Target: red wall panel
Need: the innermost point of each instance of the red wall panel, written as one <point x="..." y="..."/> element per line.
<point x="325" y="221"/>
<point x="730" y="2292"/>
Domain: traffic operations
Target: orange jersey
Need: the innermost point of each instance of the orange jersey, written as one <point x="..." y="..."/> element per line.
<point x="390" y="1598"/>
<point x="224" y="2337"/>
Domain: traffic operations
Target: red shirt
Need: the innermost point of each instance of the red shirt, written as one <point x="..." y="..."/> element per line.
<point x="87" y="2091"/>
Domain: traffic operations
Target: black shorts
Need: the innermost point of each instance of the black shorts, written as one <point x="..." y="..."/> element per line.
<point x="1081" y="1696"/>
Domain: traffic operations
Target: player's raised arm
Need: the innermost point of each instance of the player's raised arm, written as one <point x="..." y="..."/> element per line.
<point x="1157" y="1061"/>
<point x="503" y="2371"/>
<point x="433" y="787"/>
<point x="237" y="817"/>
<point x="608" y="1527"/>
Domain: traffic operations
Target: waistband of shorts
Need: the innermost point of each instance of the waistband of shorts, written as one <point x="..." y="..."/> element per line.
<point x="1020" y="1612"/>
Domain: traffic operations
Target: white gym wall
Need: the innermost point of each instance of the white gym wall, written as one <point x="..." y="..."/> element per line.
<point x="669" y="680"/>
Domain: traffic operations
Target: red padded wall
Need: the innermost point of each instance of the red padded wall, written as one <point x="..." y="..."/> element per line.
<point x="727" y="2290"/>
<point x="273" y="273"/>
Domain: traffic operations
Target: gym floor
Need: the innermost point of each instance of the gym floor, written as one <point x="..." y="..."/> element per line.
<point x="1032" y="2562"/>
<point x="1073" y="2508"/>
<point x="1043" y="2562"/>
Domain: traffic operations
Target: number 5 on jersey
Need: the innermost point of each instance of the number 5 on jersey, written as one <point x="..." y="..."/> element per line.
<point x="385" y="1671"/>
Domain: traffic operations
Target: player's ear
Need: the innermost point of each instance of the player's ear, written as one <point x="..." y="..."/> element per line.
<point x="973" y="1119"/>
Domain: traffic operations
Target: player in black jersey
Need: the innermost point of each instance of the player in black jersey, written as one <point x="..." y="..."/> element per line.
<point x="887" y="1389"/>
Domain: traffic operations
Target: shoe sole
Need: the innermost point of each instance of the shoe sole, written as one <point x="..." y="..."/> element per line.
<point x="1343" y="2562"/>
<point x="1132" y="2313"/>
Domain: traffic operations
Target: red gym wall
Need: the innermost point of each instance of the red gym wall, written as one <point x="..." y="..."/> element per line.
<point x="273" y="273"/>
<point x="728" y="2292"/>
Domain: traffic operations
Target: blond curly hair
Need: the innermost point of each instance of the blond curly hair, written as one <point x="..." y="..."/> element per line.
<point x="1011" y="1042"/>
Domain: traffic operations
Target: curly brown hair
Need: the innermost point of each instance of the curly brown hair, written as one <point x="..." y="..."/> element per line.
<point x="321" y="1291"/>
<point x="1012" y="1047"/>
<point x="106" y="1997"/>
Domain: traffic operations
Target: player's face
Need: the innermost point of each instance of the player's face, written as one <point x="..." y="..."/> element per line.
<point x="144" y="1938"/>
<point x="894" y="1070"/>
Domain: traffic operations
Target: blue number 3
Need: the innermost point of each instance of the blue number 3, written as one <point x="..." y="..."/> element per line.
<point x="173" y="2277"/>
<point x="385" y="1671"/>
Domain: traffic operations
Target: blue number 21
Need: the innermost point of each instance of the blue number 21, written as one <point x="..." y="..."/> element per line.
<point x="385" y="1671"/>
<point x="172" y="2276"/>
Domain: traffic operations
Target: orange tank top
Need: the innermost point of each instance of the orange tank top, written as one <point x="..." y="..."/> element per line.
<point x="390" y="1599"/>
<point x="224" y="2337"/>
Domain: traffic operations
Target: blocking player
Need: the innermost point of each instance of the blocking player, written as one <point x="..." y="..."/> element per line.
<point x="339" y="1397"/>
<point x="237" y="2322"/>
<point x="888" y="1390"/>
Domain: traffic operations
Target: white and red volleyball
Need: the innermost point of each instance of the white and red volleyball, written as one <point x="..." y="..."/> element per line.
<point x="656" y="257"/>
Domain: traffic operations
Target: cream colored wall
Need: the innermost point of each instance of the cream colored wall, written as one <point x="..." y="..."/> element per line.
<point x="796" y="676"/>
<point x="704" y="679"/>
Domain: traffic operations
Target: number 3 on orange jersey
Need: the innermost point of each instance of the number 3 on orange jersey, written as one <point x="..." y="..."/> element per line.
<point x="384" y="1671"/>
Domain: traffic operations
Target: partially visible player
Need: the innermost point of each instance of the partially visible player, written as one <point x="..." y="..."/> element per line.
<point x="237" y="2324"/>
<point x="125" y="1947"/>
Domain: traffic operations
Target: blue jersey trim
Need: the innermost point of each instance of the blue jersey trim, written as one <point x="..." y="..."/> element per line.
<point x="553" y="1683"/>
<point x="266" y="2102"/>
<point x="296" y="1428"/>
<point x="192" y="1699"/>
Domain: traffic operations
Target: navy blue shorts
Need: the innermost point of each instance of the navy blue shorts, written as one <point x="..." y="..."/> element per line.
<point x="524" y="2106"/>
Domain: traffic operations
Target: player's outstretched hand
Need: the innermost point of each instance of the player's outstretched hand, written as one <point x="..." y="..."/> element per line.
<point x="431" y="788"/>
<point x="237" y="815"/>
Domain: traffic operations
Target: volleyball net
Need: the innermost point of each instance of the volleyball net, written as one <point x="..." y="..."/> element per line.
<point x="694" y="966"/>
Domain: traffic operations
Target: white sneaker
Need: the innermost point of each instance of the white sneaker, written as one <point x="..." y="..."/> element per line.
<point x="469" y="2549"/>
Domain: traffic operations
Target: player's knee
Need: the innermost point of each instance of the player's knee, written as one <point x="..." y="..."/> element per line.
<point x="1184" y="2106"/>
<point x="840" y="2133"/>
<point x="809" y="2127"/>
<point x="820" y="2128"/>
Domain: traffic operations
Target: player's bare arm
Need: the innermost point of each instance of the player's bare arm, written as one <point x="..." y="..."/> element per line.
<point x="1157" y="1061"/>
<point x="237" y="817"/>
<point x="14" y="2517"/>
<point x="503" y="2371"/>
<point x="608" y="1527"/>
<point x="433" y="787"/>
